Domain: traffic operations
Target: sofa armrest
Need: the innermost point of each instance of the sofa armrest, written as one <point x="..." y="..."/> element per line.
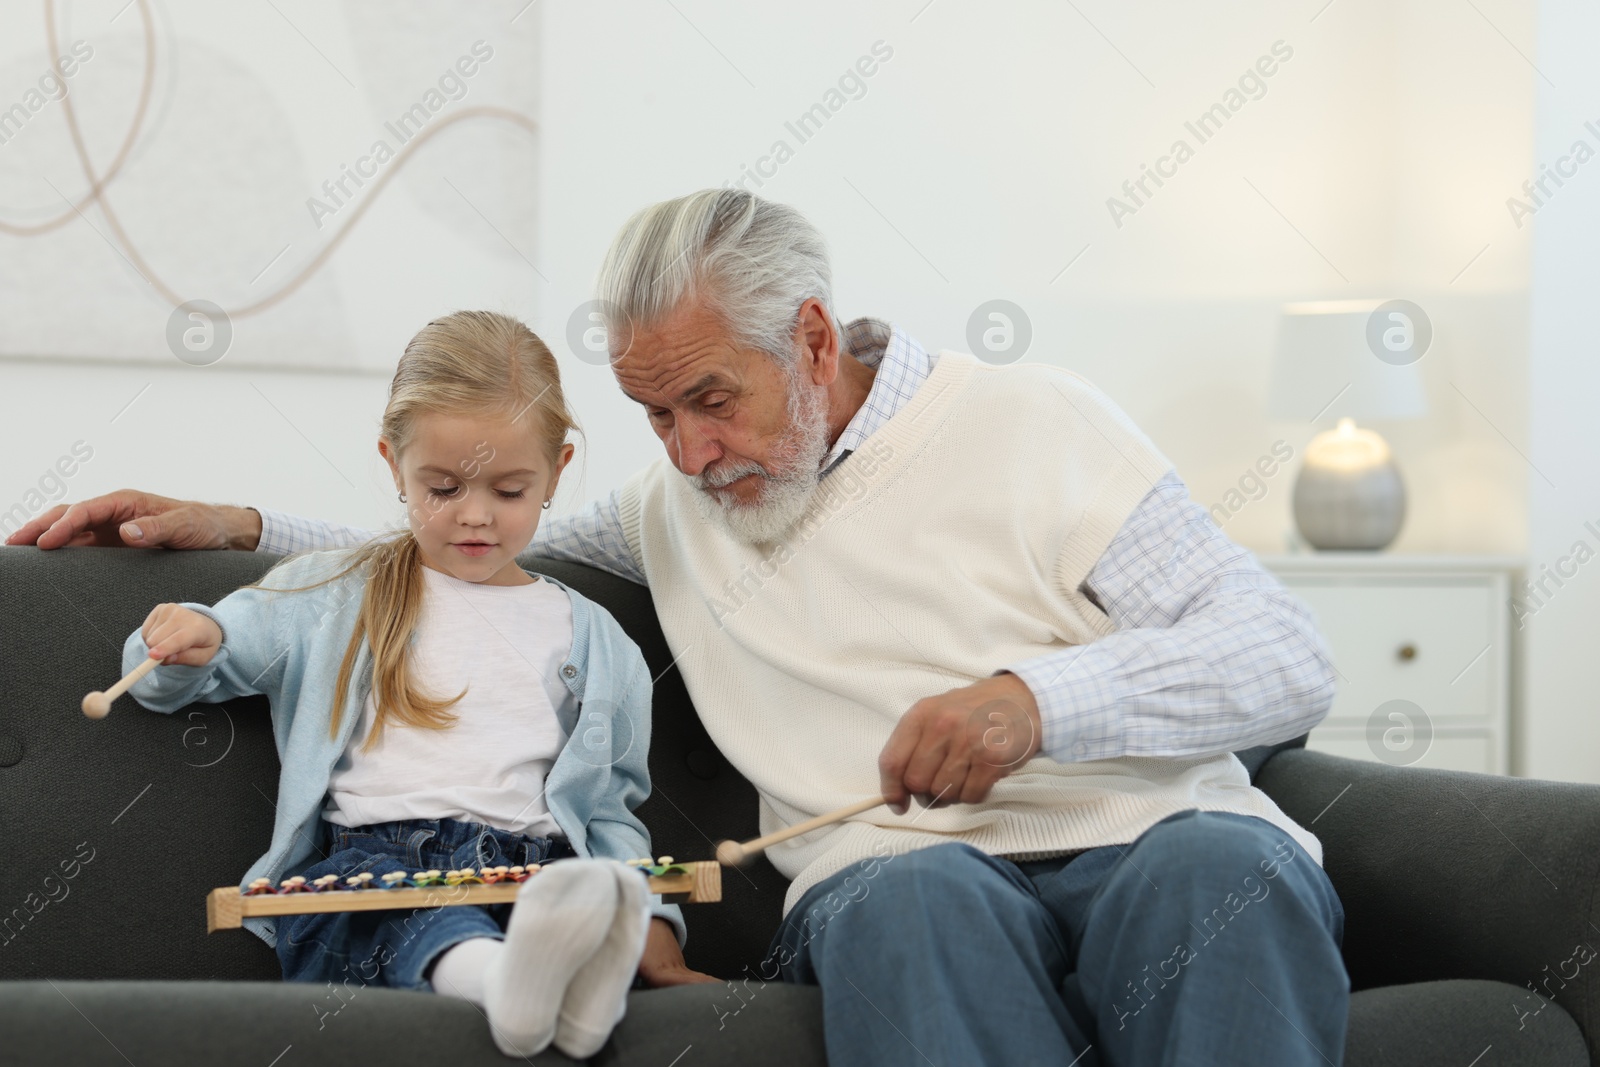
<point x="1445" y="874"/>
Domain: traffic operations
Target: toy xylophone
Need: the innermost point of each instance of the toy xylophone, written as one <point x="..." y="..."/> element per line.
<point x="699" y="882"/>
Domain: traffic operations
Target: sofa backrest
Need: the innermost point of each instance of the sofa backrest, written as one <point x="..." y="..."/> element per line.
<point x="116" y="829"/>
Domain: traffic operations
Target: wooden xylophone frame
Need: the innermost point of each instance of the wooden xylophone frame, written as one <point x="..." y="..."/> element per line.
<point x="227" y="907"/>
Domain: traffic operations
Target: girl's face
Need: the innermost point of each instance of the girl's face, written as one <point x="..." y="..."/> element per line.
<point x="475" y="489"/>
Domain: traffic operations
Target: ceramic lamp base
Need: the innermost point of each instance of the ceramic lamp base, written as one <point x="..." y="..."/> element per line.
<point x="1350" y="509"/>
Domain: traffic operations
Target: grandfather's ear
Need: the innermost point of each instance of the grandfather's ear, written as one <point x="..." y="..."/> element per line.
<point x="816" y="329"/>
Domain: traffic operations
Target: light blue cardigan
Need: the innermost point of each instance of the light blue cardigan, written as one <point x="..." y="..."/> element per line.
<point x="289" y="645"/>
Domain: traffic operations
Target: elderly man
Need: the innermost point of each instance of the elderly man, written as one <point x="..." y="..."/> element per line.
<point x="979" y="587"/>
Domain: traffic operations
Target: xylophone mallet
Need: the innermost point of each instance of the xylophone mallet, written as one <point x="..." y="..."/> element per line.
<point x="734" y="854"/>
<point x="97" y="705"/>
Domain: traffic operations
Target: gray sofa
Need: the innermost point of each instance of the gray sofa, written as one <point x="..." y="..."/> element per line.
<point x="1461" y="891"/>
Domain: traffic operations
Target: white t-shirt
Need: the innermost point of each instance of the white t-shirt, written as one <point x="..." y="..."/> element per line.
<point x="505" y="645"/>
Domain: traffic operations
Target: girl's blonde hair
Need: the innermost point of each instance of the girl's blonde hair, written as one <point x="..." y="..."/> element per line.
<point x="471" y="363"/>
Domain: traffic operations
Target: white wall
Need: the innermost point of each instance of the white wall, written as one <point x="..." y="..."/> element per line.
<point x="1562" y="730"/>
<point x="977" y="165"/>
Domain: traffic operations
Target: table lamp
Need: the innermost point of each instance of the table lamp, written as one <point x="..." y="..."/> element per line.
<point x="1348" y="360"/>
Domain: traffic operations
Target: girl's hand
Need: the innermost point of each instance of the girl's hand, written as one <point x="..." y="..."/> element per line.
<point x="176" y="634"/>
<point x="663" y="963"/>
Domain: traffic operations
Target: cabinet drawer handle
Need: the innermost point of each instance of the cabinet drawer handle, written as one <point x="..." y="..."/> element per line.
<point x="1407" y="652"/>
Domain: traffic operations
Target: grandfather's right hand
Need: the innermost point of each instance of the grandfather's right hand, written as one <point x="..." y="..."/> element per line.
<point x="130" y="518"/>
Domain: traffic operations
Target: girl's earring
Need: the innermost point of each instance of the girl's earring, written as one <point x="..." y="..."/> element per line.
<point x="402" y="498"/>
<point x="545" y="505"/>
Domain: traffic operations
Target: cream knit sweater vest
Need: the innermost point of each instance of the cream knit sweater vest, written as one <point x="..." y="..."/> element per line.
<point x="951" y="544"/>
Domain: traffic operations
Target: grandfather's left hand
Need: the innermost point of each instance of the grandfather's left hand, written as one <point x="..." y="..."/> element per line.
<point x="953" y="747"/>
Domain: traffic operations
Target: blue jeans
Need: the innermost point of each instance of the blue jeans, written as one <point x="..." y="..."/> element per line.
<point x="1212" y="939"/>
<point x="397" y="947"/>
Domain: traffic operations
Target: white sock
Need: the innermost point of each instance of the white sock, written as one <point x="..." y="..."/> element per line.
<point x="459" y="971"/>
<point x="597" y="997"/>
<point x="562" y="915"/>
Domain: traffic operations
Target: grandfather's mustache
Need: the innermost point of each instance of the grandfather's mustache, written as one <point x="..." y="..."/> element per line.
<point x="727" y="474"/>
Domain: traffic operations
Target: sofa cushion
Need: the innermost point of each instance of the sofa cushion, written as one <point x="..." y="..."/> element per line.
<point x="1459" y="1023"/>
<point x="155" y="1024"/>
<point x="1447" y="874"/>
<point x="1451" y="1023"/>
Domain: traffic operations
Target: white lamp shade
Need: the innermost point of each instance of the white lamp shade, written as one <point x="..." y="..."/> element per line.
<point x="1323" y="368"/>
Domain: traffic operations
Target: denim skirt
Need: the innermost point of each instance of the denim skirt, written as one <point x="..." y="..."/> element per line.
<point x="397" y="947"/>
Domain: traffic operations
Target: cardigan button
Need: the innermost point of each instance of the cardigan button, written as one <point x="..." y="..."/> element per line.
<point x="10" y="749"/>
<point x="702" y="764"/>
<point x="569" y="671"/>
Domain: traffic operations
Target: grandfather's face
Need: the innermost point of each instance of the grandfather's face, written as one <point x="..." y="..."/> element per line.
<point x="747" y="434"/>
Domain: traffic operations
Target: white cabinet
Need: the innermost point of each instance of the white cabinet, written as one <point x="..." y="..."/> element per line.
<point x="1422" y="646"/>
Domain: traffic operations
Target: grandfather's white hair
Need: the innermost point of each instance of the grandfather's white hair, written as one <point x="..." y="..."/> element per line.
<point x="752" y="261"/>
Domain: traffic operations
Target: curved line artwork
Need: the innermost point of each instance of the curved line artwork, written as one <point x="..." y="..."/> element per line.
<point x="98" y="183"/>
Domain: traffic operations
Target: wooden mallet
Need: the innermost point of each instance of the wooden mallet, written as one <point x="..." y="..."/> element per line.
<point x="97" y="705"/>
<point x="734" y="854"/>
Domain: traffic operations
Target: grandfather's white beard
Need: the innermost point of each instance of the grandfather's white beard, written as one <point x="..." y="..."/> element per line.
<point x="785" y="491"/>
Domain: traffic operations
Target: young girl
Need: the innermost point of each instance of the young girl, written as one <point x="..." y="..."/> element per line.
<point x="437" y="707"/>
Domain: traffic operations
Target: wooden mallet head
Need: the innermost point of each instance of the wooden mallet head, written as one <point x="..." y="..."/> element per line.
<point x="97" y="705"/>
<point x="734" y="854"/>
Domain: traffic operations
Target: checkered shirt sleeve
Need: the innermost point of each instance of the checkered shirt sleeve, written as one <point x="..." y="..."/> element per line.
<point x="1210" y="653"/>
